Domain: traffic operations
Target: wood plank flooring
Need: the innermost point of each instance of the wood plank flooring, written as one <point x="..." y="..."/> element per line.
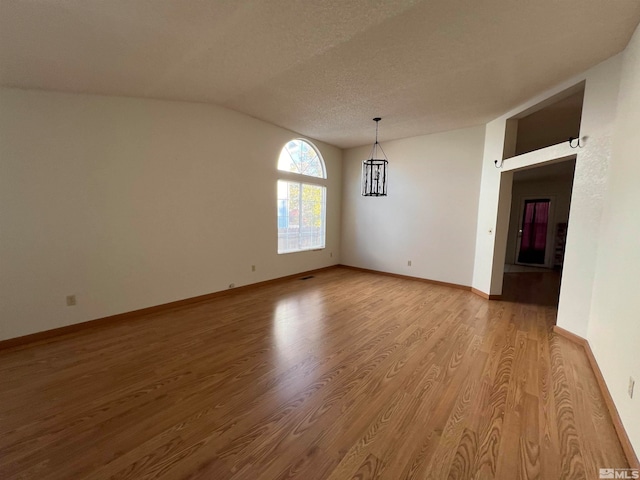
<point x="347" y="375"/>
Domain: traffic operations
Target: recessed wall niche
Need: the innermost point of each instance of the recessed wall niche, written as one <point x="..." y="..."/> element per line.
<point x="548" y="123"/>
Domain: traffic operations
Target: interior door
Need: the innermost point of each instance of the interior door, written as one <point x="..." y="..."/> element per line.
<point x="533" y="236"/>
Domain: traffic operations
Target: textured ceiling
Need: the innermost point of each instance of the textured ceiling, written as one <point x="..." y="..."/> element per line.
<point x="321" y="68"/>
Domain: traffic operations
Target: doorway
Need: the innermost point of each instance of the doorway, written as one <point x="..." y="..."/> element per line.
<point x="540" y="205"/>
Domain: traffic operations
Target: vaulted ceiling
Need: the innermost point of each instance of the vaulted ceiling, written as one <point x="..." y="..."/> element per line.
<point x="323" y="68"/>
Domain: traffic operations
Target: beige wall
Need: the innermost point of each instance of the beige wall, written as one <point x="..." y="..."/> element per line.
<point x="429" y="216"/>
<point x="129" y="203"/>
<point x="551" y="125"/>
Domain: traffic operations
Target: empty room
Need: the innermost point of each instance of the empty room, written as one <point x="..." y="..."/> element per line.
<point x="319" y="239"/>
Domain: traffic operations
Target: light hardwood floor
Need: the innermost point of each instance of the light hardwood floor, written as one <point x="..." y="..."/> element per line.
<point x="342" y="376"/>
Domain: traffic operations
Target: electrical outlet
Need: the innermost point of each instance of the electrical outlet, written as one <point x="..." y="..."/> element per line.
<point x="330" y="254"/>
<point x="71" y="300"/>
<point x="409" y="263"/>
<point x="232" y="285"/>
<point x="632" y="383"/>
<point x="253" y="268"/>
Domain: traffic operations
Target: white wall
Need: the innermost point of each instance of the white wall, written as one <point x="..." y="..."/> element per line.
<point x="490" y="197"/>
<point x="614" y="327"/>
<point x="429" y="216"/>
<point x="587" y="196"/>
<point x="587" y="199"/>
<point x="130" y="203"/>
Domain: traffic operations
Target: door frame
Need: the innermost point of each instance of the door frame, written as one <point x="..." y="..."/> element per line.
<point x="551" y="226"/>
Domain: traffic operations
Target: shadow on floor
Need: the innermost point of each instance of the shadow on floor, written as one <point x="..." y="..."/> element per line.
<point x="538" y="288"/>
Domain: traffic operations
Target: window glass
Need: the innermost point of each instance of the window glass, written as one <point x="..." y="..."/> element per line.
<point x="299" y="156"/>
<point x="301" y="205"/>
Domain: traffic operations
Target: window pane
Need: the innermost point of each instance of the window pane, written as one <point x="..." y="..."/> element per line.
<point x="312" y="228"/>
<point x="299" y="156"/>
<point x="301" y="216"/>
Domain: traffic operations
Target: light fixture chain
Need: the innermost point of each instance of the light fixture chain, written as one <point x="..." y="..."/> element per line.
<point x="383" y="154"/>
<point x="375" y="145"/>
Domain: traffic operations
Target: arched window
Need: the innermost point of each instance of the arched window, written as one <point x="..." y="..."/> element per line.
<point x="302" y="197"/>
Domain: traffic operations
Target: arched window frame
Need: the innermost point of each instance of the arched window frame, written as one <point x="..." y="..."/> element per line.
<point x="303" y="239"/>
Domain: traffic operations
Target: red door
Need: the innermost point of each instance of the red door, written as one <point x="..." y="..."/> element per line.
<point x="533" y="240"/>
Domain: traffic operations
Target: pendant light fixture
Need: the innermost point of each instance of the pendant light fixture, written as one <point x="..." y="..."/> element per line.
<point x="374" y="171"/>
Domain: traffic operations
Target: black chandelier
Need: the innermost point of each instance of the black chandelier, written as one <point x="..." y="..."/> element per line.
<point x="374" y="171"/>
